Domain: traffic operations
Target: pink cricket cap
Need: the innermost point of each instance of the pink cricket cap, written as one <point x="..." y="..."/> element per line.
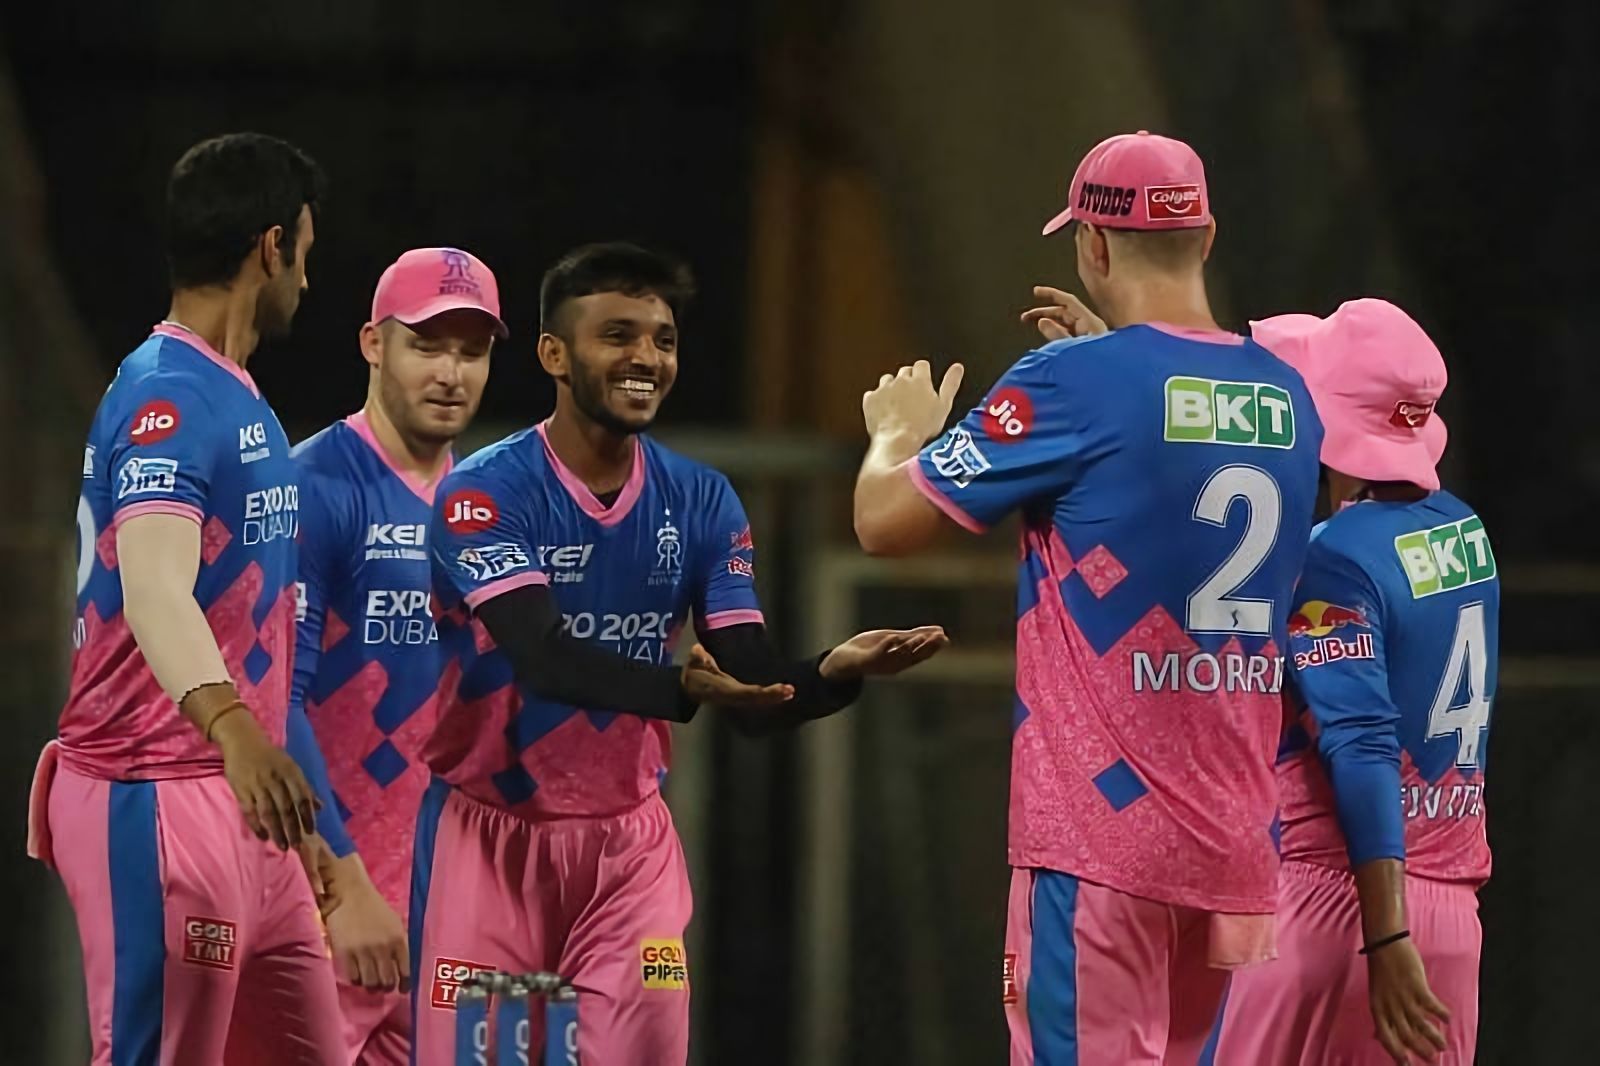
<point x="430" y="281"/>
<point x="1137" y="181"/>
<point x="1375" y="377"/>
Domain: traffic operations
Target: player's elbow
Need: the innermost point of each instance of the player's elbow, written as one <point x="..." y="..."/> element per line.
<point x="888" y="536"/>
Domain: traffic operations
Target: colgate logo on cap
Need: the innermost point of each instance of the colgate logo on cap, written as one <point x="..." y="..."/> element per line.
<point x="1410" y="415"/>
<point x="1165" y="203"/>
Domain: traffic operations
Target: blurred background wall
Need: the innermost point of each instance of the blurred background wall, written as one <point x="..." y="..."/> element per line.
<point x="856" y="182"/>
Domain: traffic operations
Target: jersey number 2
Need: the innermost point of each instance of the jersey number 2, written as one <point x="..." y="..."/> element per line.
<point x="1469" y="657"/>
<point x="1212" y="607"/>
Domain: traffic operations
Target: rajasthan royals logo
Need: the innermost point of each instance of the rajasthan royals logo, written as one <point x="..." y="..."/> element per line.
<point x="669" y="553"/>
<point x="457" y="277"/>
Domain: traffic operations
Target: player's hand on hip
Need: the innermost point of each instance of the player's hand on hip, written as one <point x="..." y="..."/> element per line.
<point x="704" y="682"/>
<point x="907" y="403"/>
<point x="1062" y="314"/>
<point x="1408" y="1017"/>
<point x="273" y="794"/>
<point x="882" y="652"/>
<point x="367" y="936"/>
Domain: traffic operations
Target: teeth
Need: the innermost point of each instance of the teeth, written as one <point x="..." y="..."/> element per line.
<point x="631" y="385"/>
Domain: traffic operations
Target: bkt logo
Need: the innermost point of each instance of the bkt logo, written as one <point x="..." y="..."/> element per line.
<point x="1250" y="413"/>
<point x="389" y="533"/>
<point x="448" y="977"/>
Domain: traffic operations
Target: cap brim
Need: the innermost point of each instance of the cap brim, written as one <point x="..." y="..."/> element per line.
<point x="452" y="303"/>
<point x="1058" y="223"/>
<point x="1412" y="458"/>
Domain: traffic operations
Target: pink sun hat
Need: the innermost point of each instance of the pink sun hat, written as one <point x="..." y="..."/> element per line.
<point x="1141" y="181"/>
<point x="1375" y="378"/>
<point x="425" y="282"/>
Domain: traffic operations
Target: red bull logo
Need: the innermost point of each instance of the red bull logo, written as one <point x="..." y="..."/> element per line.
<point x="1318" y="618"/>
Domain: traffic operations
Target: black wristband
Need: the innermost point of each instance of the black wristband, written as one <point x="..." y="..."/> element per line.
<point x="1393" y="938"/>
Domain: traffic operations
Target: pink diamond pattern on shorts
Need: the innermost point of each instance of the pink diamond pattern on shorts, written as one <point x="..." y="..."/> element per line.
<point x="1101" y="571"/>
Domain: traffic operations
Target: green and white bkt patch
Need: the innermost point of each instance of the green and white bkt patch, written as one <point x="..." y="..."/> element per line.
<point x="1446" y="557"/>
<point x="1249" y="413"/>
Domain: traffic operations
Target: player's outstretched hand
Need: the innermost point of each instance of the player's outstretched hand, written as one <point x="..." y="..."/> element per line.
<point x="907" y="403"/>
<point x="367" y="936"/>
<point x="273" y="794"/>
<point x="1404" y="1008"/>
<point x="1062" y="314"/>
<point x="882" y="652"/>
<point x="705" y="682"/>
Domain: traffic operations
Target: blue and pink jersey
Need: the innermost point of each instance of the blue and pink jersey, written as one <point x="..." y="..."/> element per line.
<point x="675" y="540"/>
<point x="181" y="431"/>
<point x="1395" y="643"/>
<point x="1165" y="481"/>
<point x="367" y="658"/>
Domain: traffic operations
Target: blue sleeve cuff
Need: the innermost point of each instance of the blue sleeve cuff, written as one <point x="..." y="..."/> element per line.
<point x="1367" y="794"/>
<point x="301" y="743"/>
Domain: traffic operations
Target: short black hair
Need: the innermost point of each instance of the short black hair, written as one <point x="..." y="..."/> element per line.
<point x="224" y="193"/>
<point x="615" y="266"/>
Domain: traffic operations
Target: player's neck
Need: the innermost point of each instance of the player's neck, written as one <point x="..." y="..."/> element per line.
<point x="424" y="458"/>
<point x="1175" y="301"/>
<point x="601" y="458"/>
<point x="220" y="318"/>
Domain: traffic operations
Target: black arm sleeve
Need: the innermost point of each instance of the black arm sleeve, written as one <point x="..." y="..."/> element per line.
<point x="745" y="652"/>
<point x="526" y="624"/>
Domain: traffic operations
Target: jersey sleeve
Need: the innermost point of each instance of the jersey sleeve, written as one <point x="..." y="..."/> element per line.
<point x="1023" y="441"/>
<point x="725" y="592"/>
<point x="1337" y="649"/>
<point x="484" y="539"/>
<point x="162" y="450"/>
<point x="325" y="538"/>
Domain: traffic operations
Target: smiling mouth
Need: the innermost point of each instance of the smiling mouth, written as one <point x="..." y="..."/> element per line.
<point x="636" y="388"/>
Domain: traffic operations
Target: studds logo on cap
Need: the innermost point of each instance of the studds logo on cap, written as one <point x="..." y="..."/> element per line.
<point x="662" y="964"/>
<point x="1410" y="415"/>
<point x="1171" y="203"/>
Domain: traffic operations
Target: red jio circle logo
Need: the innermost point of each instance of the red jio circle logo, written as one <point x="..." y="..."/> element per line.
<point x="1008" y="415"/>
<point x="469" y="511"/>
<point x="154" y="422"/>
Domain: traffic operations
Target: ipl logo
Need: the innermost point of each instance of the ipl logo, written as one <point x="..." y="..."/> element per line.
<point x="457" y="277"/>
<point x="669" y="553"/>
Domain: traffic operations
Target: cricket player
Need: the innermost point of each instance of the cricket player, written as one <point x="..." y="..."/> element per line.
<point x="567" y="559"/>
<point x="367" y="660"/>
<point x="1394" y="641"/>
<point x="1164" y="472"/>
<point x="167" y="804"/>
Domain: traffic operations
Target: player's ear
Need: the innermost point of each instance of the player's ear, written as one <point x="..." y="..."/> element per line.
<point x="372" y="343"/>
<point x="269" y="248"/>
<point x="553" y="355"/>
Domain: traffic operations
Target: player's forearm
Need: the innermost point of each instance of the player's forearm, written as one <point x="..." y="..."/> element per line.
<point x="746" y="652"/>
<point x="1381" y="886"/>
<point x="159" y="556"/>
<point x="888" y="508"/>
<point x="1364" y="770"/>
<point x="301" y="743"/>
<point x="526" y="627"/>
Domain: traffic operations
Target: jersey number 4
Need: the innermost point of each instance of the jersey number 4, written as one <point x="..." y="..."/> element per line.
<point x="1212" y="607"/>
<point x="1469" y="661"/>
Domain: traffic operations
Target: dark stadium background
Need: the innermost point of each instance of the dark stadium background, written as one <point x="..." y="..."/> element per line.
<point x="855" y="183"/>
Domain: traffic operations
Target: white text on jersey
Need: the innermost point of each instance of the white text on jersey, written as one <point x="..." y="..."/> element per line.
<point x="398" y="616"/>
<point x="272" y="514"/>
<point x="391" y="540"/>
<point x="1204" y="672"/>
